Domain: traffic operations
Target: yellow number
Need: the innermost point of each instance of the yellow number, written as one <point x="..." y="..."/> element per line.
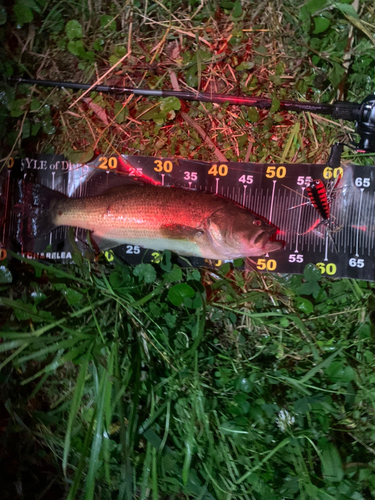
<point x="159" y="166"/>
<point x="270" y="172"/>
<point x="337" y="171"/>
<point x="263" y="264"/>
<point x="271" y="265"/>
<point x="211" y="262"/>
<point x="156" y="258"/>
<point x="167" y="166"/>
<point x="3" y="254"/>
<point x="321" y="266"/>
<point x="328" y="172"/>
<point x="103" y="162"/>
<point x="330" y="268"/>
<point x="112" y="162"/>
<point x="222" y="170"/>
<point x="213" y="170"/>
<point x="109" y="255"/>
<point x="279" y="172"/>
<point x="10" y="162"/>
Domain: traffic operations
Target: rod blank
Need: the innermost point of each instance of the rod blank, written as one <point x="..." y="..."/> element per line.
<point x="339" y="109"/>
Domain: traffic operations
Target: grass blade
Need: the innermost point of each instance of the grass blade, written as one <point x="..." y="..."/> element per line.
<point x="77" y="398"/>
<point x="84" y="454"/>
<point x="146" y="471"/>
<point x="325" y="363"/>
<point x="155" y="494"/>
<point x="50" y="269"/>
<point x="98" y="435"/>
<point x="265" y="459"/>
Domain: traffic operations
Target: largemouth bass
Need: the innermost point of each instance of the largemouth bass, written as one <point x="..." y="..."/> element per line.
<point x="189" y="223"/>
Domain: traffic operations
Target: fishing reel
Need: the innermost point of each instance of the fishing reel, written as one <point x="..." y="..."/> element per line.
<point x="365" y="126"/>
<point x="364" y="116"/>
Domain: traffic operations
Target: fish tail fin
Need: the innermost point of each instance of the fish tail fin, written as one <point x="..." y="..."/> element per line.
<point x="35" y="210"/>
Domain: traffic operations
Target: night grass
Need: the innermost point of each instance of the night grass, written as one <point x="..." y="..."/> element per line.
<point x="262" y="390"/>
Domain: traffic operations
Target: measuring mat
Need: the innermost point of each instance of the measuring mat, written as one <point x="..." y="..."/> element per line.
<point x="343" y="247"/>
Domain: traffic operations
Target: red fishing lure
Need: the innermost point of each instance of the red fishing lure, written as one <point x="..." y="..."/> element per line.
<point x="320" y="198"/>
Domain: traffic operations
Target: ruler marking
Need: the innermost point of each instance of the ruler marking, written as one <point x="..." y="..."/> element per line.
<point x="358" y="223"/>
<point x="256" y="200"/>
<point x="272" y="199"/>
<point x="352" y="223"/>
<point x="326" y="246"/>
<point x="291" y="229"/>
<point x="372" y="227"/>
<point x="369" y="228"/>
<point x="299" y="222"/>
<point x="52" y="187"/>
<point x="364" y="230"/>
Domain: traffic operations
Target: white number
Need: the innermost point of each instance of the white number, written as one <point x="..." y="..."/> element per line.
<point x="246" y="179"/>
<point x="359" y="182"/>
<point x="135" y="171"/>
<point x="356" y="263"/>
<point x="190" y="176"/>
<point x="296" y="258"/>
<point x="302" y="181"/>
<point x="133" y="249"/>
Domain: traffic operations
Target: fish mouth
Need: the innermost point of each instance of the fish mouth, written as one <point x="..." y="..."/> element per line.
<point x="263" y="238"/>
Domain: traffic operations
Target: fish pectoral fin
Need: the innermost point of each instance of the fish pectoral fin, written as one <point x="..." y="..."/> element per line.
<point x="180" y="232"/>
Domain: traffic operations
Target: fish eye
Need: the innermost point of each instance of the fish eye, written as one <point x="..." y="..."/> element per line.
<point x="257" y="222"/>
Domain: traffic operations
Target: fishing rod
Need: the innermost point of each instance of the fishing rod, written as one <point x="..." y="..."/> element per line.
<point x="363" y="114"/>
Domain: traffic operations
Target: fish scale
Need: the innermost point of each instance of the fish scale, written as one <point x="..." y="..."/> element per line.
<point x="144" y="208"/>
